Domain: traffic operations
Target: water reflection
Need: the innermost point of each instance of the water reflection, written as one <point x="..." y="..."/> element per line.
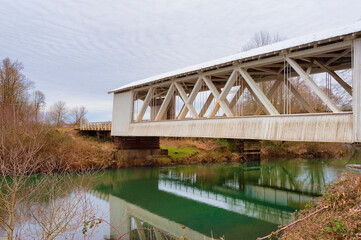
<point x="240" y="202"/>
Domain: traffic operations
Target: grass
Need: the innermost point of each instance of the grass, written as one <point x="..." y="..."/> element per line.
<point x="177" y="153"/>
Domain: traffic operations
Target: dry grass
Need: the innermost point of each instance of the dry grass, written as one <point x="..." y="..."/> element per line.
<point x="84" y="154"/>
<point x="341" y="219"/>
<point x="307" y="150"/>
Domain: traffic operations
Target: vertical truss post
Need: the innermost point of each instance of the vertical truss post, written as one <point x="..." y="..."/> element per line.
<point x="328" y="101"/>
<point x="356" y="96"/>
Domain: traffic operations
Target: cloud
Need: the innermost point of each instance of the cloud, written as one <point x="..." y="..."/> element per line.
<point x="76" y="51"/>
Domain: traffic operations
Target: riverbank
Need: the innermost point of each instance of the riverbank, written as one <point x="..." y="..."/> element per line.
<point x="101" y="154"/>
<point x="179" y="148"/>
<point x="335" y="215"/>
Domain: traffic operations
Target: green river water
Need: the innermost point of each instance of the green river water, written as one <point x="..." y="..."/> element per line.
<point x="232" y="200"/>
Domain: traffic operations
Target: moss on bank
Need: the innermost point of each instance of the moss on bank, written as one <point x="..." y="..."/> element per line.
<point x="177" y="153"/>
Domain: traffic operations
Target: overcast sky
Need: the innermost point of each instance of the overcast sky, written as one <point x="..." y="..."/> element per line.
<point x="76" y="51"/>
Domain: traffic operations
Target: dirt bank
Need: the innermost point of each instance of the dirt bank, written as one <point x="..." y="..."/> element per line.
<point x="336" y="215"/>
<point x="95" y="154"/>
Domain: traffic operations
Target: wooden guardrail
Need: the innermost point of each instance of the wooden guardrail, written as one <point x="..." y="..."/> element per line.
<point x="96" y="126"/>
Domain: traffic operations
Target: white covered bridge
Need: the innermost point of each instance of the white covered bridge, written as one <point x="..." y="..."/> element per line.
<point x="293" y="90"/>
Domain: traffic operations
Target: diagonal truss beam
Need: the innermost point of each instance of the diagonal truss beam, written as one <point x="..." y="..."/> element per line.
<point x="145" y="105"/>
<point x="270" y="94"/>
<point x="299" y="97"/>
<point x="347" y="87"/>
<point x="256" y="97"/>
<point x="223" y="103"/>
<point x="206" y="105"/>
<point x="223" y="96"/>
<point x="330" y="104"/>
<point x="338" y="57"/>
<point x="257" y="92"/>
<point x="235" y="98"/>
<point x="165" y="103"/>
<point x="188" y="102"/>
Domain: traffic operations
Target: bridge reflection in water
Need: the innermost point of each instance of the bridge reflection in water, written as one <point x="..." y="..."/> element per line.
<point x="218" y="200"/>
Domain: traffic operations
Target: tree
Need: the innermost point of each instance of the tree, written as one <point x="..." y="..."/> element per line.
<point x="58" y="113"/>
<point x="262" y="38"/>
<point x="39" y="103"/>
<point x="14" y="86"/>
<point x="78" y="113"/>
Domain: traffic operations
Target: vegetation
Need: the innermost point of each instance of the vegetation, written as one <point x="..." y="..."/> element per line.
<point x="219" y="150"/>
<point x="336" y="215"/>
<point x="35" y="161"/>
<point x="306" y="150"/>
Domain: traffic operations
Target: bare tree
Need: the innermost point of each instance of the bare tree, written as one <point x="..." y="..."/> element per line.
<point x="78" y="114"/>
<point x="14" y="85"/>
<point x="39" y="103"/>
<point x="58" y="113"/>
<point x="262" y="38"/>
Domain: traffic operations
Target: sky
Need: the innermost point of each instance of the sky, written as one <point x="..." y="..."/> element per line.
<point x="78" y="50"/>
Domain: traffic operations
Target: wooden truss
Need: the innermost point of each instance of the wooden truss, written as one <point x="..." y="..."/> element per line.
<point x="221" y="82"/>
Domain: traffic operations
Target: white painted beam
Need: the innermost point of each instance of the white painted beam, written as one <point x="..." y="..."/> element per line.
<point x="328" y="101"/>
<point x="165" y="103"/>
<point x="206" y="105"/>
<point x="265" y="102"/>
<point x="356" y="95"/>
<point x="145" y="105"/>
<point x="223" y="103"/>
<point x="270" y="94"/>
<point x="347" y="51"/>
<point x="235" y="98"/>
<point x="230" y="82"/>
<point x="347" y="87"/>
<point x="188" y="102"/>
<point x="223" y="96"/>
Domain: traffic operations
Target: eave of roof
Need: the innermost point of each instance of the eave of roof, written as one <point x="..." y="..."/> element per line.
<point x="272" y="48"/>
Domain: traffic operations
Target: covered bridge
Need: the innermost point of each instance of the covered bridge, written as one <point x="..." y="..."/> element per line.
<point x="301" y="89"/>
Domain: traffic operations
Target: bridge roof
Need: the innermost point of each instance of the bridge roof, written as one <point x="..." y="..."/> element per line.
<point x="327" y="35"/>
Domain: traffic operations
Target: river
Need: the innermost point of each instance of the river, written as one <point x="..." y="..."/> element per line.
<point x="201" y="201"/>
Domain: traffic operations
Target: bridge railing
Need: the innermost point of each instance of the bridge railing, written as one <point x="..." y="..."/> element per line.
<point x="96" y="126"/>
